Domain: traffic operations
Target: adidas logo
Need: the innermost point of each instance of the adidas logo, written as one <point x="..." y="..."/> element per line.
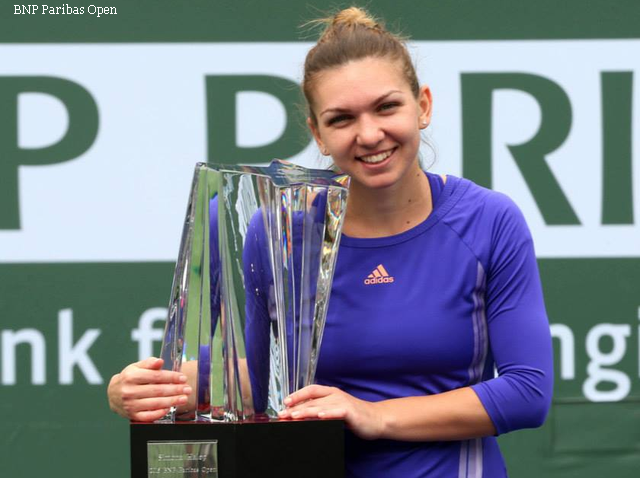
<point x="379" y="276"/>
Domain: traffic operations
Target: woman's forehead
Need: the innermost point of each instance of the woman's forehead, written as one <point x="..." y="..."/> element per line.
<point x="358" y="81"/>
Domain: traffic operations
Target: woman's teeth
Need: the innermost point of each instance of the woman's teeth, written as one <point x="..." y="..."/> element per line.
<point x="377" y="158"/>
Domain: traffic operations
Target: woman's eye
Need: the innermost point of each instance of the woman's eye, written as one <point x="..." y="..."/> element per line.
<point x="388" y="106"/>
<point x="338" y="119"/>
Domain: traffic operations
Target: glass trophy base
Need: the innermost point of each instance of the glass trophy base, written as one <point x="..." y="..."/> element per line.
<point x="286" y="449"/>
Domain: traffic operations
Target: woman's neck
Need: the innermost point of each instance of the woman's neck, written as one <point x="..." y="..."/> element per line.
<point x="388" y="211"/>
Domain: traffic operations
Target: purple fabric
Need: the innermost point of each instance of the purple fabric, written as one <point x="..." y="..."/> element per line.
<point x="465" y="296"/>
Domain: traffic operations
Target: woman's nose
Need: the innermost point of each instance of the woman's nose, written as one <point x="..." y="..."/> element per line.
<point x="369" y="132"/>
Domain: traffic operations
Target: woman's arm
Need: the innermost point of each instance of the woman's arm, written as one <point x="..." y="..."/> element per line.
<point x="453" y="415"/>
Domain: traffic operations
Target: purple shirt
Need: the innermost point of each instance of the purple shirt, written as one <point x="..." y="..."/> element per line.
<point x="434" y="309"/>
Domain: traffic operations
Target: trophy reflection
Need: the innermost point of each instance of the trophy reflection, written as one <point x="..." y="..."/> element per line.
<point x="251" y="287"/>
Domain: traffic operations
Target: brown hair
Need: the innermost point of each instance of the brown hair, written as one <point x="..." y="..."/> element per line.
<point x="350" y="35"/>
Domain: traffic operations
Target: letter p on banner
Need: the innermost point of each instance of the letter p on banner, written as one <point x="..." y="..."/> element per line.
<point x="80" y="135"/>
<point x="222" y="125"/>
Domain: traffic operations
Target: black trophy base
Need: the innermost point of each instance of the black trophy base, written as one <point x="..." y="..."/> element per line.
<point x="283" y="449"/>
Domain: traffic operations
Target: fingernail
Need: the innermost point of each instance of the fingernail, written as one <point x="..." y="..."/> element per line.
<point x="287" y="401"/>
<point x="321" y="414"/>
<point x="183" y="378"/>
<point x="182" y="399"/>
<point x="186" y="390"/>
<point x="295" y="414"/>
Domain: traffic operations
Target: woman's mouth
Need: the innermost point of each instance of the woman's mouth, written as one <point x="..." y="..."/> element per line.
<point x="377" y="157"/>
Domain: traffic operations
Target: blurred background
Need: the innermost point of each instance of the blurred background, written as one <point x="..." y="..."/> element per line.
<point x="104" y="113"/>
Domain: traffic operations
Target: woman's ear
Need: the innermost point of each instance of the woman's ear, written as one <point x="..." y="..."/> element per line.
<point x="316" y="135"/>
<point x="425" y="104"/>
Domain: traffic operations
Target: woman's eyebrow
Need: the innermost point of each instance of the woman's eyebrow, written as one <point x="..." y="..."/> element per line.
<point x="376" y="101"/>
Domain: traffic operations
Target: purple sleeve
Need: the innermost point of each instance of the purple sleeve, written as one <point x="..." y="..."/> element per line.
<point x="519" y="333"/>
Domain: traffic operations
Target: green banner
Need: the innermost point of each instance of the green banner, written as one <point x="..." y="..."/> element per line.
<point x="244" y="21"/>
<point x="105" y="109"/>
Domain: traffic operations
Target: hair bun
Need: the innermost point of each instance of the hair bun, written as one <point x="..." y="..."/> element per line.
<point x="354" y="16"/>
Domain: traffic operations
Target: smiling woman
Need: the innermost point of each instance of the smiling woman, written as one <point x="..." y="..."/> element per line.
<point x="366" y="110"/>
<point x="435" y="286"/>
<point x="367" y="114"/>
<point x="436" y="281"/>
<point x="369" y="121"/>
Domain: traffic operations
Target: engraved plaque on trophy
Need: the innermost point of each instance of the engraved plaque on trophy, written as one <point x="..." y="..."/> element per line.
<point x="174" y="459"/>
<point x="247" y="310"/>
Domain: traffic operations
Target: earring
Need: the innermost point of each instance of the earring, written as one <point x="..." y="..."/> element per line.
<point x="325" y="151"/>
<point x="424" y="124"/>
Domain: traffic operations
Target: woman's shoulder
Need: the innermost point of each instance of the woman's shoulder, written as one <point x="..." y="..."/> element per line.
<point x="482" y="217"/>
<point x="477" y="201"/>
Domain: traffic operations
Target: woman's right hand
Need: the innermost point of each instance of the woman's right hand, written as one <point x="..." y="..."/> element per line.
<point x="144" y="392"/>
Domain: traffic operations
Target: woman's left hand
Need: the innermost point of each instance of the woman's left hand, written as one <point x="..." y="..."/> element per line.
<point x="317" y="401"/>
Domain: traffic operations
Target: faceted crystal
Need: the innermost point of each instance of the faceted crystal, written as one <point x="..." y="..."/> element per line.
<point x="251" y="286"/>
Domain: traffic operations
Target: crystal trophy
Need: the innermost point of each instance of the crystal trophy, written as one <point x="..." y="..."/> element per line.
<point x="247" y="310"/>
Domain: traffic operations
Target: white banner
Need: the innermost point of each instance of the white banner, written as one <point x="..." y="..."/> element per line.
<point x="124" y="198"/>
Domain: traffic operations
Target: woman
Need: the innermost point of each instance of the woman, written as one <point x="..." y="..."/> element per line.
<point x="407" y="361"/>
